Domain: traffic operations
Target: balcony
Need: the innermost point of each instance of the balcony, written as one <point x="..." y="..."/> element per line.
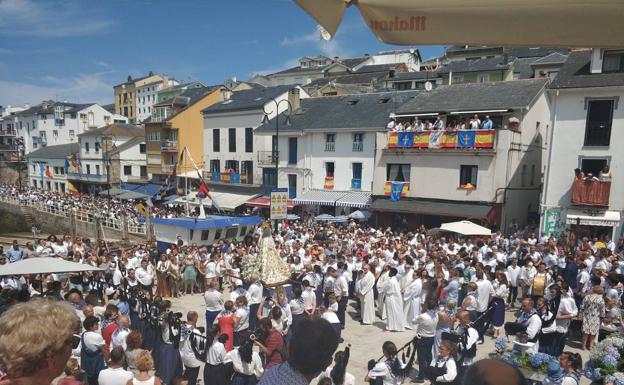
<point x="86" y="177"/>
<point x="167" y="168"/>
<point x="8" y="147"/>
<point x="330" y="146"/>
<point x="590" y="192"/>
<point x="7" y="133"/>
<point x="167" y="145"/>
<point x="226" y="177"/>
<point x="358" y="146"/>
<point x="267" y="158"/>
<point x="463" y="140"/>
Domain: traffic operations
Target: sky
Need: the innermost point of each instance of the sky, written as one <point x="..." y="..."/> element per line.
<point x="77" y="50"/>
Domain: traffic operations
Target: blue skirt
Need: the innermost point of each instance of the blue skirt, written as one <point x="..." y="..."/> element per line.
<point x="498" y="314"/>
<point x="170" y="363"/>
<point x="244" y="379"/>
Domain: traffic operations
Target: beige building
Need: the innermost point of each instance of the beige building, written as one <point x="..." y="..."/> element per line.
<point x="126" y="97"/>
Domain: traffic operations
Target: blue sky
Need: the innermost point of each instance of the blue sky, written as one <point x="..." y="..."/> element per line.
<point x="77" y="50"/>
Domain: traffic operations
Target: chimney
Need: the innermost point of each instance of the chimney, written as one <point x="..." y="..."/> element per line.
<point x="293" y="98"/>
<point x="129" y="78"/>
<point x="595" y="66"/>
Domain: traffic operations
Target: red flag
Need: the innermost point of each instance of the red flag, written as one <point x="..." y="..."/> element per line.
<point x="48" y="173"/>
<point x="203" y="190"/>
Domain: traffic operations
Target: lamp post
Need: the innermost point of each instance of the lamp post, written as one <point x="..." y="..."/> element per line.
<point x="107" y="159"/>
<point x="275" y="148"/>
<point x="19" y="144"/>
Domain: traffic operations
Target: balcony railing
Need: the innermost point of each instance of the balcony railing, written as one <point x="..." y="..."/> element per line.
<point x="330" y="146"/>
<point x="86" y="177"/>
<point x="587" y="192"/>
<point x="455" y="140"/>
<point x="358" y="146"/>
<point x="7" y="133"/>
<point x="167" y="168"/>
<point x="167" y="145"/>
<point x="226" y="177"/>
<point x="267" y="158"/>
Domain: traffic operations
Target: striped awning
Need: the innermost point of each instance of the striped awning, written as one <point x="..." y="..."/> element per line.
<point x="355" y="199"/>
<point x="319" y="197"/>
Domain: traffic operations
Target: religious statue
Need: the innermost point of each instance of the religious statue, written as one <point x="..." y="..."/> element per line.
<point x="268" y="265"/>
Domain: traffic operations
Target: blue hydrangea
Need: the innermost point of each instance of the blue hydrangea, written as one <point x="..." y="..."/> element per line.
<point x="610" y="360"/>
<point x="538" y="359"/>
<point x="615" y="379"/>
<point x="500" y="344"/>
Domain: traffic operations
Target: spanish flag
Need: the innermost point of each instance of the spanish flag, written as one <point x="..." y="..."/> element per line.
<point x="484" y="139"/>
<point x="404" y="188"/>
<point x="72" y="189"/>
<point x="448" y="140"/>
<point x="48" y="173"/>
<point x="421" y="139"/>
<point x="141" y="209"/>
<point x="393" y="139"/>
<point x="329" y="183"/>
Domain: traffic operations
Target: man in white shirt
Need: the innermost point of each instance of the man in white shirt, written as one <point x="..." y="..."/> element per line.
<point x="255" y="296"/>
<point x="115" y="374"/>
<point x="341" y="291"/>
<point x="145" y="275"/>
<point x="309" y="298"/>
<point x="485" y="292"/>
<point x="189" y="360"/>
<point x="513" y="276"/>
<point x="119" y="335"/>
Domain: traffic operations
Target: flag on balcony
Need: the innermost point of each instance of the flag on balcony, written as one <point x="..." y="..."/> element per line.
<point x="406" y="139"/>
<point x="41" y="169"/>
<point x="466" y="139"/>
<point x="66" y="166"/>
<point x="393" y="138"/>
<point x="235" y="178"/>
<point x="449" y="140"/>
<point x="72" y="189"/>
<point x="421" y="140"/>
<point x="329" y="183"/>
<point x="48" y="172"/>
<point x="484" y="139"/>
<point x="435" y="137"/>
<point x="204" y="191"/>
<point x="140" y="208"/>
<point x="401" y="188"/>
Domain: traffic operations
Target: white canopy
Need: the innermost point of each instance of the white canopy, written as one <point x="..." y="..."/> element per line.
<point x="360" y="215"/>
<point x="465" y="228"/>
<point x="44" y="265"/>
<point x="530" y="23"/>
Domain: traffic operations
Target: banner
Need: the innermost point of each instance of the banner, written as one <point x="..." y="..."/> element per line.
<point x="466" y="139"/>
<point x="406" y="139"/>
<point x="435" y="137"/>
<point x="393" y="138"/>
<point x="72" y="189"/>
<point x="552" y="220"/>
<point x="449" y="140"/>
<point x="329" y="183"/>
<point x="279" y="203"/>
<point x="421" y="139"/>
<point x="404" y="188"/>
<point x="484" y="139"/>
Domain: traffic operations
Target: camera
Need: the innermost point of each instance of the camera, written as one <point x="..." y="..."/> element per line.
<point x="174" y="319"/>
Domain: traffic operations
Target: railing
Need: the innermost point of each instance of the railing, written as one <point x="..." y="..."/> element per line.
<point x="8" y="147"/>
<point x="7" y="133"/>
<point x="86" y="177"/>
<point x="455" y="140"/>
<point x="330" y="146"/>
<point x="587" y="192"/>
<point x="167" y="145"/>
<point x="226" y="177"/>
<point x="358" y="146"/>
<point x="267" y="158"/>
<point x="79" y="215"/>
<point x="167" y="168"/>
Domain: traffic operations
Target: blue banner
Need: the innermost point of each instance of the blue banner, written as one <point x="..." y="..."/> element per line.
<point x="405" y="139"/>
<point x="216" y="176"/>
<point x="356" y="184"/>
<point x="466" y="139"/>
<point x="235" y="177"/>
<point x="395" y="191"/>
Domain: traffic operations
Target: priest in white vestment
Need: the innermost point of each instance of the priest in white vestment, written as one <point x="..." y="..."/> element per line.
<point x="411" y="301"/>
<point x="381" y="284"/>
<point x="364" y="289"/>
<point x="394" y="303"/>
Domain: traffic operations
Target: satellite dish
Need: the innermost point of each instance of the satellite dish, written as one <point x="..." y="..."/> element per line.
<point x="428" y="86"/>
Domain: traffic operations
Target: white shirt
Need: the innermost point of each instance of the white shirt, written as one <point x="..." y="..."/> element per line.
<point x="451" y="368"/>
<point x="114" y="376"/>
<point x="216" y="353"/>
<point x="186" y="351"/>
<point x="119" y="338"/>
<point x="341" y="287"/>
<point x="248" y="368"/>
<point x="513" y="273"/>
<point x="309" y="298"/>
<point x="484" y="290"/>
<point x="144" y="276"/>
<point x="255" y="293"/>
<point x="93" y="340"/>
<point x="214" y="300"/>
<point x="243" y="315"/>
<point x="349" y="379"/>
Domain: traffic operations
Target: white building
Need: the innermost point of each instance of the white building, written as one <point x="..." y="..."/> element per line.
<point x="489" y="176"/>
<point x="110" y="155"/>
<point x="327" y="153"/>
<point x="47" y="167"/>
<point x="586" y="133"/>
<point x="53" y="123"/>
<point x="230" y="144"/>
<point x="147" y="96"/>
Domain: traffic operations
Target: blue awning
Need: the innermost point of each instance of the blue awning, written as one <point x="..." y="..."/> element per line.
<point x="149" y="189"/>
<point x="210" y="222"/>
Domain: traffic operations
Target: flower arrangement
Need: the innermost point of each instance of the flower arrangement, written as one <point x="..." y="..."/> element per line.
<point x="606" y="361"/>
<point x="538" y="362"/>
<point x="501" y="344"/>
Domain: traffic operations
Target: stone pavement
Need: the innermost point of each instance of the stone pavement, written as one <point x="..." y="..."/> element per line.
<point x="365" y="340"/>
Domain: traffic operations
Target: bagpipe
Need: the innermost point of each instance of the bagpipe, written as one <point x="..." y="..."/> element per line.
<point x="408" y="354"/>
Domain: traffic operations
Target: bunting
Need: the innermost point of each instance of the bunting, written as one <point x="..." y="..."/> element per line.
<point x="449" y="140"/>
<point x="393" y="139"/>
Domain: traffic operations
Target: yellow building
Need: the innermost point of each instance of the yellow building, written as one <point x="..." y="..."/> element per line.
<point x="125" y="95"/>
<point x="177" y="123"/>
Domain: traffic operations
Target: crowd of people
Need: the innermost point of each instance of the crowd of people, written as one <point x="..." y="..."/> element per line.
<point x="439" y="124"/>
<point x="448" y="292"/>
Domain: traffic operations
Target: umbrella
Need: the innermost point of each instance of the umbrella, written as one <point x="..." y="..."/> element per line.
<point x="292" y="217"/>
<point x="44" y="265"/>
<point x="465" y="228"/>
<point x="529" y="23"/>
<point x="338" y="219"/>
<point x="360" y="215"/>
<point x="323" y="217"/>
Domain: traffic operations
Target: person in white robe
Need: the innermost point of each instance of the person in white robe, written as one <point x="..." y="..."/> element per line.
<point x="411" y="301"/>
<point x="364" y="289"/>
<point x="394" y="303"/>
<point x="381" y="284"/>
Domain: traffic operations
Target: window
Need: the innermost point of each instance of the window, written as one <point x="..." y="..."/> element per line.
<point x="153" y="136"/>
<point x="292" y="150"/>
<point x="468" y="175"/>
<point x="458" y="79"/>
<point x="398" y="172"/>
<point x="154" y="159"/>
<point x="599" y="119"/>
<point x="231" y="232"/>
<point x="55" y="133"/>
<point x="127" y="170"/>
<point x="593" y="165"/>
<point x="142" y="148"/>
<point x="88" y="169"/>
<point x="143" y="170"/>
<point x="87" y="147"/>
<point x="97" y="169"/>
<point x="232" y="139"/>
<point x="71" y="134"/>
<point x="216" y="140"/>
<point x="215" y="165"/>
<point x="330" y="142"/>
<point x="532" y="175"/>
<point x="401" y="86"/>
<point x="613" y="61"/>
<point x="248" y="139"/>
<point x="243" y="231"/>
<point x="329" y="169"/>
<point x="358" y="142"/>
<point x="204" y="235"/>
<point x="217" y="235"/>
<point x="231" y="165"/>
<point x="356" y="178"/>
<point x="484" y="78"/>
<point x="97" y="147"/>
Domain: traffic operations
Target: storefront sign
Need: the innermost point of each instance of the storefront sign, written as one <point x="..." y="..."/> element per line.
<point x="279" y="203"/>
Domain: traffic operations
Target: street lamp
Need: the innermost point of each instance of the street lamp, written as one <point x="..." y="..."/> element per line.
<point x="266" y="120"/>
<point x="19" y="144"/>
<point x="107" y="159"/>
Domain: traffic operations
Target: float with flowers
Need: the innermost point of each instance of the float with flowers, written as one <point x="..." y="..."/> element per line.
<point x="606" y="362"/>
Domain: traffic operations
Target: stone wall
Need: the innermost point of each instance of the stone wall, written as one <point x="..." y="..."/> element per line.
<point x="12" y="219"/>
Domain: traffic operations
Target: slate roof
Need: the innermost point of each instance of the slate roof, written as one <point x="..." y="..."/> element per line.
<point x="41" y="109"/>
<point x="116" y="129"/>
<point x="522" y="66"/>
<point x="522" y="52"/>
<point x="78" y="107"/>
<point x="553" y="58"/>
<point x="575" y="74"/>
<point x="254" y="98"/>
<point x="355" y="61"/>
<point x="179" y="86"/>
<point x="60" y="151"/>
<point x="378" y="67"/>
<point x="419" y="75"/>
<point x="109" y="107"/>
<point x="475" y="96"/>
<point x="357" y="111"/>
<point x="493" y="64"/>
<point x="192" y="94"/>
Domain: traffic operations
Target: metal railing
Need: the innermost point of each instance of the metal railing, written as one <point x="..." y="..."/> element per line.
<point x="330" y="146"/>
<point x="358" y="146"/>
<point x="167" y="145"/>
<point x="267" y="158"/>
